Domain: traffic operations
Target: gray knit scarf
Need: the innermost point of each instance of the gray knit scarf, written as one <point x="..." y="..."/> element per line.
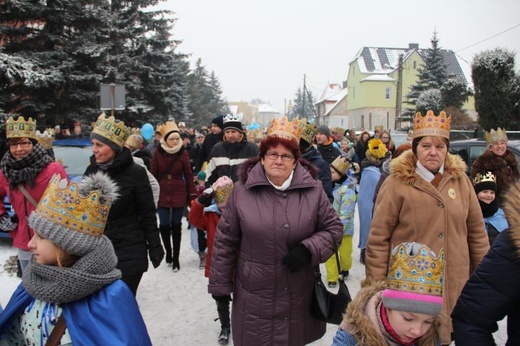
<point x="27" y="169"/>
<point x="64" y="285"/>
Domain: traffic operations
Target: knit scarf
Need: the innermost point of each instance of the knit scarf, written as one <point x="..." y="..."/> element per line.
<point x="488" y="209"/>
<point x="386" y="329"/>
<point x="64" y="285"/>
<point x="171" y="150"/>
<point x="27" y="169"/>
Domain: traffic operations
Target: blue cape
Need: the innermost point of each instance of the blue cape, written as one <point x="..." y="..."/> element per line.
<point x="110" y="316"/>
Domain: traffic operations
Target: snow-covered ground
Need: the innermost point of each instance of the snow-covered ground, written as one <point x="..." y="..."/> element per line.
<point x="176" y="306"/>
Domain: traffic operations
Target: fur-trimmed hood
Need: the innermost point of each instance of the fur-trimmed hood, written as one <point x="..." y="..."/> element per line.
<point x="360" y="323"/>
<point x="403" y="167"/>
<point x="511" y="207"/>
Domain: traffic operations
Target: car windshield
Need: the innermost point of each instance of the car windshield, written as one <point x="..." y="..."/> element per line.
<point x="74" y="159"/>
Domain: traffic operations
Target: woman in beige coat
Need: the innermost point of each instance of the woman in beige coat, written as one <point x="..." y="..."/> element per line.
<point x="429" y="199"/>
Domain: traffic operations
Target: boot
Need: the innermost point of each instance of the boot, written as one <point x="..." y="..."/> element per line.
<point x="165" y="235"/>
<point x="176" y="235"/>
<point x="225" y="322"/>
<point x="362" y="256"/>
<point x="202" y="258"/>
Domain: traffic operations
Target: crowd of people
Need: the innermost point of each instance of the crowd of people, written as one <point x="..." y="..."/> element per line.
<point x="440" y="248"/>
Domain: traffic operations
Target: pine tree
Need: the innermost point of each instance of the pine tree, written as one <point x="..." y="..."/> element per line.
<point x="303" y="108"/>
<point x="497" y="89"/>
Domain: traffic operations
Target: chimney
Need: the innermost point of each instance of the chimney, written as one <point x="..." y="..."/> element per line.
<point x="413" y="46"/>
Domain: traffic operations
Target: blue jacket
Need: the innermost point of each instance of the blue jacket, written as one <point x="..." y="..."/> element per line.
<point x="109" y="317"/>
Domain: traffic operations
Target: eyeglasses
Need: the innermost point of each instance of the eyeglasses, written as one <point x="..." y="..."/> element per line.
<point x="23" y="145"/>
<point x="274" y="156"/>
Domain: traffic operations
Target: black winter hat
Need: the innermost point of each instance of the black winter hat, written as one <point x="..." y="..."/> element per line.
<point x="219" y="121"/>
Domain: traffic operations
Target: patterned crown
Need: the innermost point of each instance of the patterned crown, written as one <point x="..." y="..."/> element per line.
<point x="431" y="125"/>
<point x="484" y="178"/>
<point x="135" y="139"/>
<point x="111" y="129"/>
<point x="284" y="128"/>
<point x="45" y="138"/>
<point x="222" y="189"/>
<point x="341" y="164"/>
<point x="20" y="128"/>
<point x="62" y="204"/>
<point x="421" y="273"/>
<point x="167" y="127"/>
<point x="495" y="136"/>
<point x="307" y="131"/>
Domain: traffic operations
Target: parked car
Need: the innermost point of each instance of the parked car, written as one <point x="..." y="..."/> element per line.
<point x="73" y="154"/>
<point x="470" y="149"/>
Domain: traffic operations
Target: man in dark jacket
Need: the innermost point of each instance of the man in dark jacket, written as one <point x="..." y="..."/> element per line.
<point x="311" y="154"/>
<point x="226" y="156"/>
<point x="326" y="144"/>
<point x="493" y="290"/>
<point x="215" y="136"/>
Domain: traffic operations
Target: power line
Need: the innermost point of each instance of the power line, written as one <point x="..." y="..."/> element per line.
<point x="489" y="38"/>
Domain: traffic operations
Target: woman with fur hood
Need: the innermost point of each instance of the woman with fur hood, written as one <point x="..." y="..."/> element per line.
<point x="397" y="311"/>
<point x="429" y="199"/>
<point x="278" y="225"/>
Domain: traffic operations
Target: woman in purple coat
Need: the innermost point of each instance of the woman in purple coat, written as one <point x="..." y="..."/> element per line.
<point x="277" y="226"/>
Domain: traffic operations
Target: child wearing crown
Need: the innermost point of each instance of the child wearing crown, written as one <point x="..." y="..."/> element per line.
<point x="494" y="217"/>
<point x="345" y="198"/>
<point x="25" y="171"/>
<point x="205" y="214"/>
<point x="404" y="309"/>
<point x="71" y="292"/>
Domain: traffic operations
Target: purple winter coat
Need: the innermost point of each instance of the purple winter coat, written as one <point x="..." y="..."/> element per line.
<point x="258" y="228"/>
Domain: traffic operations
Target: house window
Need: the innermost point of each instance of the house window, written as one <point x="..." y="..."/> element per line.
<point x="388" y="93"/>
<point x="415" y="65"/>
<point x="354" y="92"/>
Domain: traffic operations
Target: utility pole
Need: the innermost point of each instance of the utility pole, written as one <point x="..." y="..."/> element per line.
<point x="399" y="93"/>
<point x="303" y="97"/>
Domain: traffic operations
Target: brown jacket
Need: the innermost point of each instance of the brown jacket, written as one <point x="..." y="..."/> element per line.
<point x="408" y="208"/>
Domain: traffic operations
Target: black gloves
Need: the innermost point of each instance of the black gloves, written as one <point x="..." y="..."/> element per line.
<point x="205" y="198"/>
<point x="222" y="299"/>
<point x="298" y="257"/>
<point x="155" y="249"/>
<point x="8" y="223"/>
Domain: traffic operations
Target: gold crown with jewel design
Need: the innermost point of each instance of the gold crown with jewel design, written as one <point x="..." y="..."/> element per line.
<point x="135" y="139"/>
<point x="45" y="138"/>
<point x="167" y="127"/>
<point x="420" y="273"/>
<point x="20" y="128"/>
<point x="112" y="129"/>
<point x="62" y="204"/>
<point x="341" y="164"/>
<point x="495" y="136"/>
<point x="307" y="131"/>
<point x="431" y="125"/>
<point x="284" y="128"/>
<point x="484" y="178"/>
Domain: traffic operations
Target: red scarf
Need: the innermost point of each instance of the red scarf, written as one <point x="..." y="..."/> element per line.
<point x="390" y="330"/>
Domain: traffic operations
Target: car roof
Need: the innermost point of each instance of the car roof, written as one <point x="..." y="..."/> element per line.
<point x="72" y="142"/>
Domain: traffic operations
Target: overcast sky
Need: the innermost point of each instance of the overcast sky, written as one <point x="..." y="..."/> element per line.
<point x="262" y="49"/>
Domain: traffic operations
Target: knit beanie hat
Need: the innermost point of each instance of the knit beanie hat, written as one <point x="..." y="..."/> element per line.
<point x="73" y="216"/>
<point x="233" y="122"/>
<point x="324" y="129"/>
<point x="486" y="181"/>
<point x="201" y="175"/>
<point x="415" y="279"/>
<point x="219" y="121"/>
<point x="376" y="148"/>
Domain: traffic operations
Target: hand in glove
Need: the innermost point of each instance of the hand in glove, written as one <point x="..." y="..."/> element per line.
<point x="156" y="255"/>
<point x="298" y="257"/>
<point x="8" y="223"/>
<point x="205" y="197"/>
<point x="222" y="299"/>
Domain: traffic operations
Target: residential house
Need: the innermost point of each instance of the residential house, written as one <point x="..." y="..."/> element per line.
<point x="332" y="107"/>
<point x="248" y="110"/>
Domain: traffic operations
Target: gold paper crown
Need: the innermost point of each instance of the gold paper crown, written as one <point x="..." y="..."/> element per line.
<point x="255" y="134"/>
<point x="495" y="136"/>
<point x="421" y="273"/>
<point x="45" y="138"/>
<point x="135" y="139"/>
<point x="284" y="128"/>
<point x="222" y="193"/>
<point x="376" y="148"/>
<point x="62" y="204"/>
<point x="20" y="128"/>
<point x="341" y="164"/>
<point x="168" y="127"/>
<point x="111" y="129"/>
<point x="431" y="125"/>
<point x="307" y="131"/>
<point x="378" y="128"/>
<point x="482" y="178"/>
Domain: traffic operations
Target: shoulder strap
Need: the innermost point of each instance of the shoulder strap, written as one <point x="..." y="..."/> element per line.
<point x="27" y="195"/>
<point x="57" y="332"/>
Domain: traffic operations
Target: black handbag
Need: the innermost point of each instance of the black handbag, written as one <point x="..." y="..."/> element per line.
<point x="327" y="306"/>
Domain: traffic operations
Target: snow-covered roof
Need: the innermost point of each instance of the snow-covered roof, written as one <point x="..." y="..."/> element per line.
<point x="267" y="108"/>
<point x="330" y="90"/>
<point x="337" y="98"/>
<point x="379" y="78"/>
